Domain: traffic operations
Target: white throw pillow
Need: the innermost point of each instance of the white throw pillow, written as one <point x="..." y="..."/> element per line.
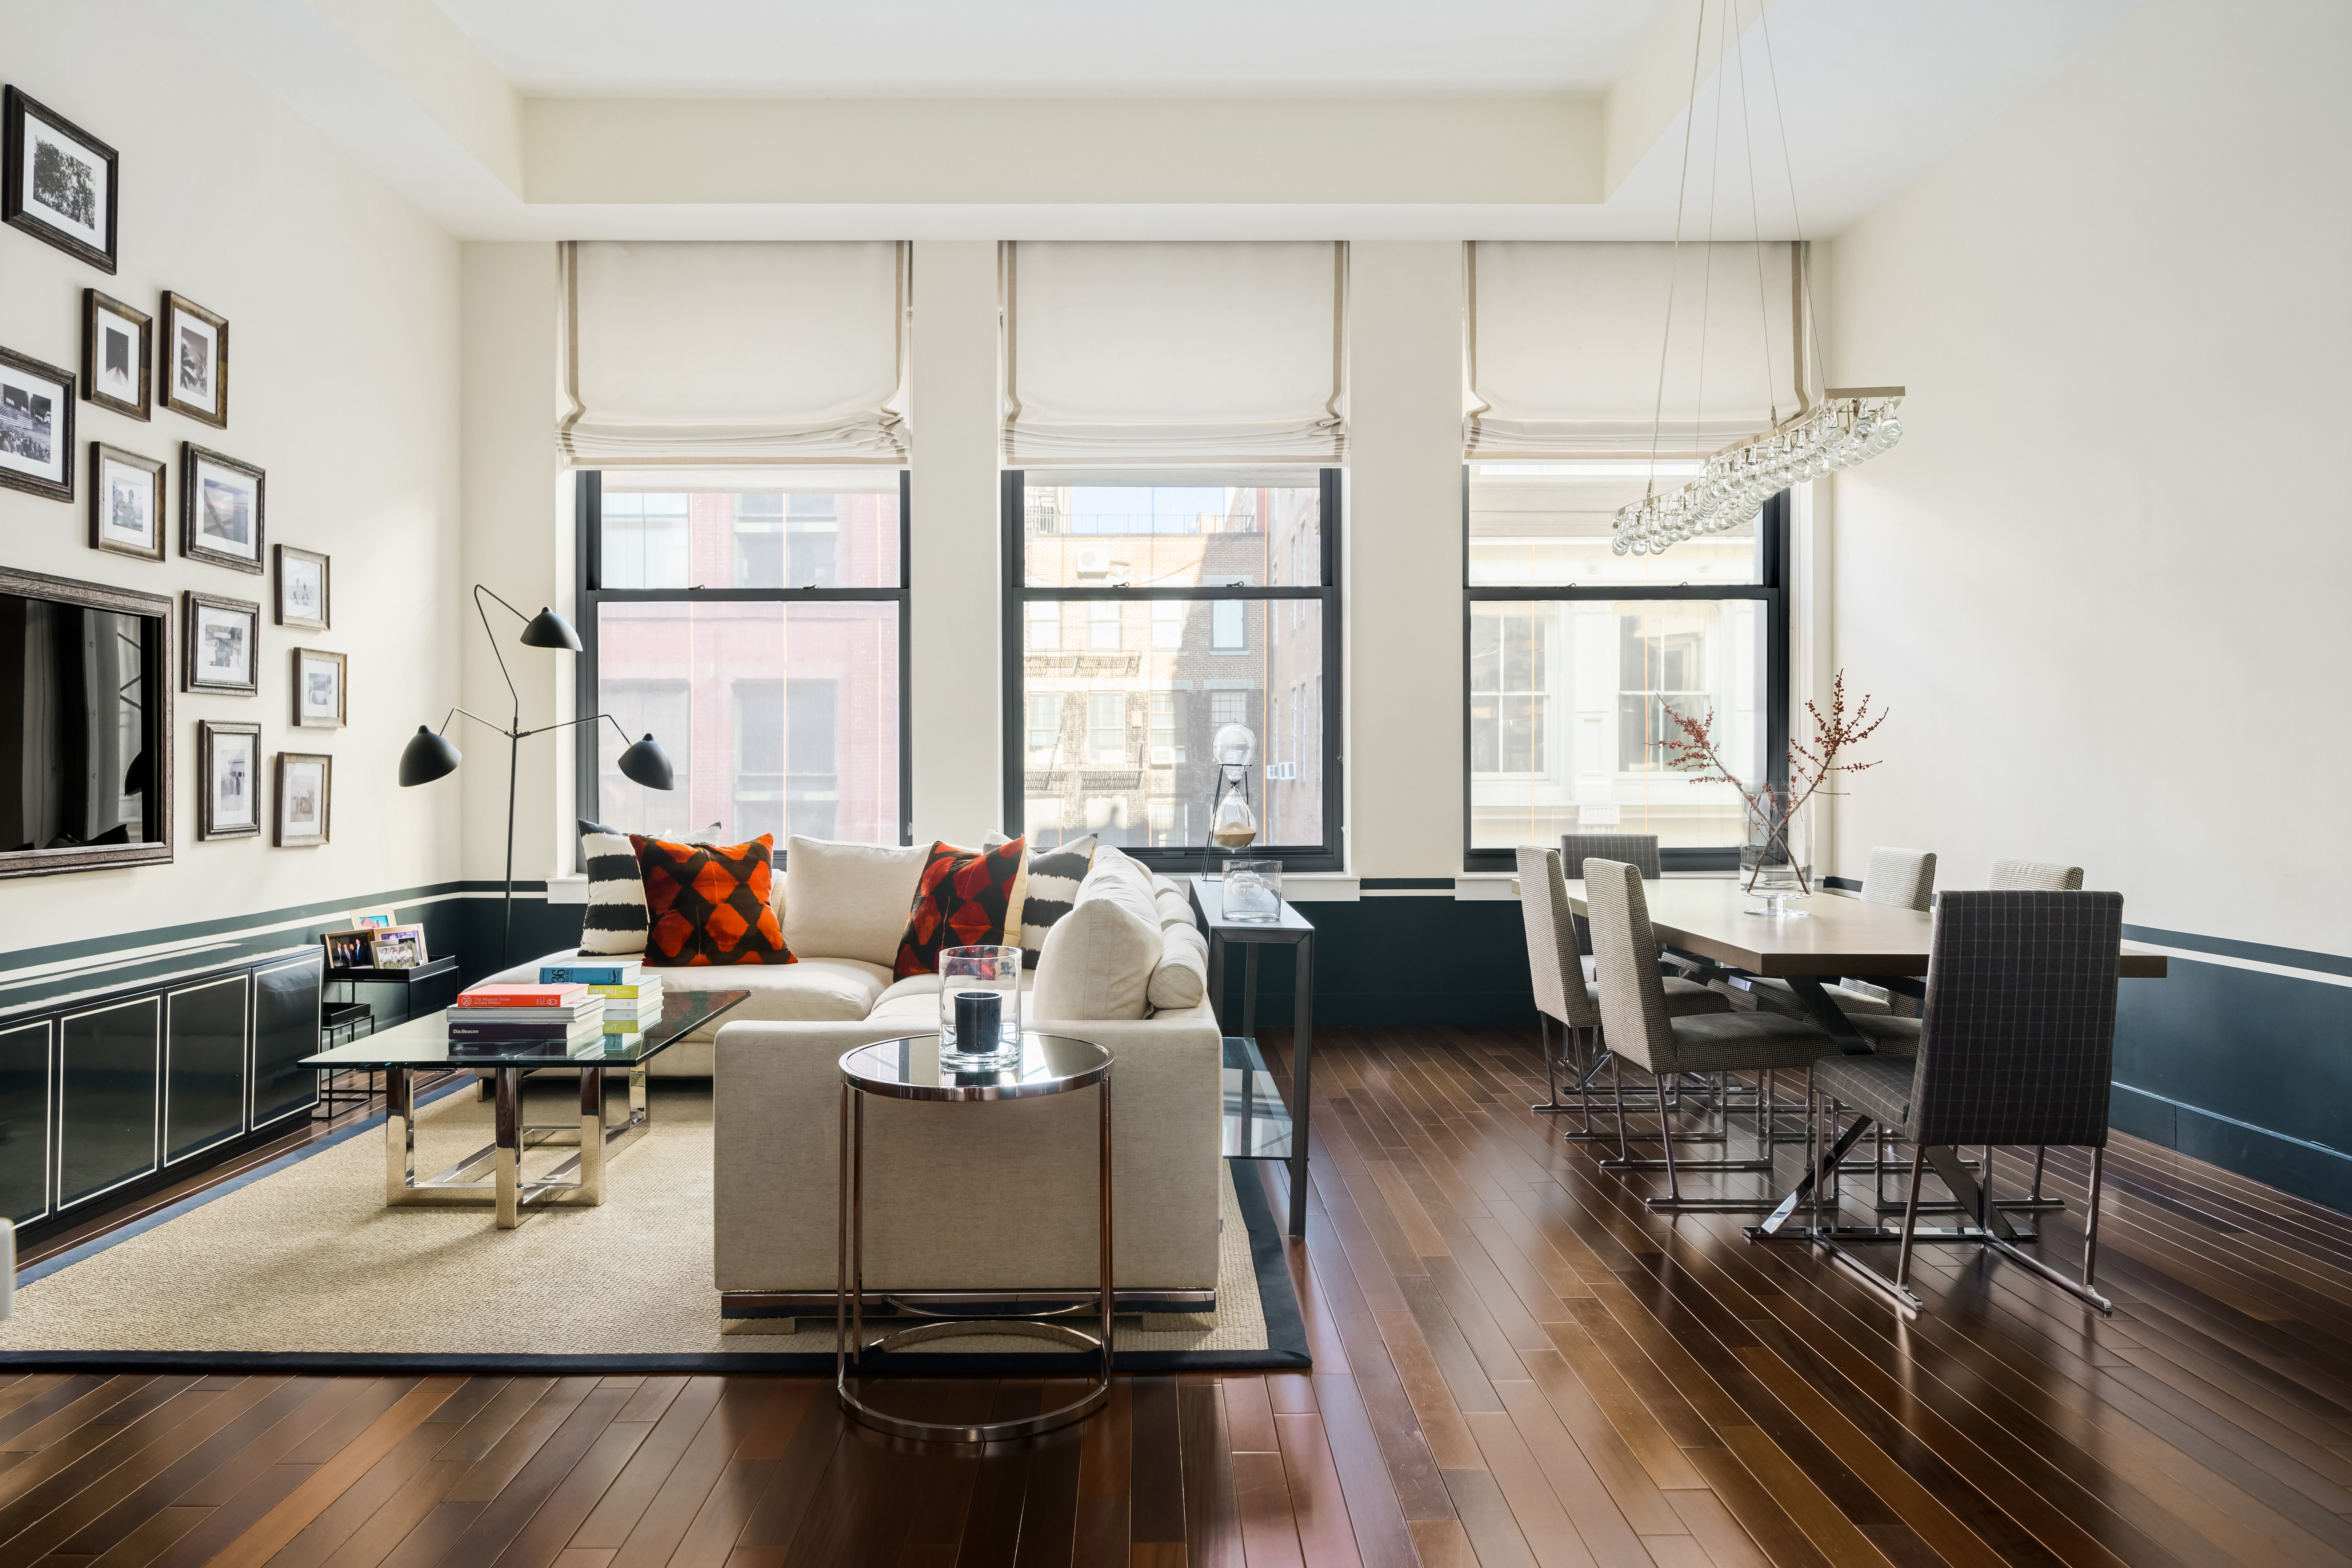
<point x="849" y="901"/>
<point x="1097" y="963"/>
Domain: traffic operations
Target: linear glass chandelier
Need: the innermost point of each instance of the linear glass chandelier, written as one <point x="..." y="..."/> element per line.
<point x="1850" y="425"/>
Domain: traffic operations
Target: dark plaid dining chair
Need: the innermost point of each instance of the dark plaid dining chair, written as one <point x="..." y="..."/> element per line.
<point x="2016" y="1046"/>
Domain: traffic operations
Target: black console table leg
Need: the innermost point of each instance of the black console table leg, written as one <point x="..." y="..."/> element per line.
<point x="1302" y="1063"/>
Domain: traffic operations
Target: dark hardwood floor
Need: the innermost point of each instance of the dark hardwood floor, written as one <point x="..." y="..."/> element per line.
<point x="1515" y="1363"/>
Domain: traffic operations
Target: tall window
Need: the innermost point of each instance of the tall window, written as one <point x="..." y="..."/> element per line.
<point x="1579" y="661"/>
<point x="754" y="622"/>
<point x="1208" y="601"/>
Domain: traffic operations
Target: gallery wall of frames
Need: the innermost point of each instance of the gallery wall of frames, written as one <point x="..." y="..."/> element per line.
<point x="234" y="400"/>
<point x="166" y="482"/>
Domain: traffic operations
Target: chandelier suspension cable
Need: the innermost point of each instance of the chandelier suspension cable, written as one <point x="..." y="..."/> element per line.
<point x="1690" y="120"/>
<point x="1707" y="265"/>
<point x="1756" y="225"/>
<point x="1849" y="425"/>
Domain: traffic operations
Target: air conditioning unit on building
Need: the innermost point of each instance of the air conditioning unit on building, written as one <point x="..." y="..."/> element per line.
<point x="1094" y="562"/>
<point x="1280" y="770"/>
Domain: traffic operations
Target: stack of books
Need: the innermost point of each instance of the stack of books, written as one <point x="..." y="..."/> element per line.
<point x="632" y="994"/>
<point x="511" y="1020"/>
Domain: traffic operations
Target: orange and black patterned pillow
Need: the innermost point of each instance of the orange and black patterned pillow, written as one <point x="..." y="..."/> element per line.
<point x="967" y="897"/>
<point x="707" y="903"/>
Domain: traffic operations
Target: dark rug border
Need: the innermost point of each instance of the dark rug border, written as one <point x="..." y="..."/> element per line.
<point x="1286" y="1330"/>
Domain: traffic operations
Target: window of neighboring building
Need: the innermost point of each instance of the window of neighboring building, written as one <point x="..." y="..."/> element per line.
<point x="753" y="624"/>
<point x="1234" y="575"/>
<point x="1579" y="661"/>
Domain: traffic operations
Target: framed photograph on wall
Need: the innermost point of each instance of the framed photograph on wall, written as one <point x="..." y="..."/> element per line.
<point x="35" y="426"/>
<point x="304" y="800"/>
<point x="228" y="780"/>
<point x="126" y="502"/>
<point x="224" y="639"/>
<point x="60" y="184"/>
<point x="118" y="347"/>
<point x="301" y="589"/>
<point x="318" y="689"/>
<point x="221" y="506"/>
<point x="193" y="361"/>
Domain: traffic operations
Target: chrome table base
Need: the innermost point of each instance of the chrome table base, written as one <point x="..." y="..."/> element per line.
<point x="491" y="1177"/>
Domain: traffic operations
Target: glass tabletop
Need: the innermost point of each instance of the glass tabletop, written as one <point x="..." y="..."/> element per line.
<point x="910" y="1068"/>
<point x="424" y="1042"/>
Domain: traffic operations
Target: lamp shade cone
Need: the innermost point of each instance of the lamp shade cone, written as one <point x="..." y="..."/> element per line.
<point x="646" y="763"/>
<point x="547" y="629"/>
<point x="426" y="757"/>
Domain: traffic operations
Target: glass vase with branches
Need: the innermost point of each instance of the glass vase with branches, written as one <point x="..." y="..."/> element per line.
<point x="1814" y="767"/>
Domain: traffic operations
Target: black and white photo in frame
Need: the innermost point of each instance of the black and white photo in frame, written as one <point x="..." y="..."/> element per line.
<point x="305" y="799"/>
<point x="126" y="502"/>
<point x="35" y="426"/>
<point x="61" y="182"/>
<point x="228" y="780"/>
<point x="301" y="589"/>
<point x="118" y="345"/>
<point x="224" y="639"/>
<point x="318" y="688"/>
<point x="220" y="508"/>
<point x="193" y="361"/>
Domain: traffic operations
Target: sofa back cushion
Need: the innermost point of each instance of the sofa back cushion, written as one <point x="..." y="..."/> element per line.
<point x="1097" y="962"/>
<point x="849" y="901"/>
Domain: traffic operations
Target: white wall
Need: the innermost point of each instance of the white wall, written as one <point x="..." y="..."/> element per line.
<point x="2102" y="582"/>
<point x="342" y="308"/>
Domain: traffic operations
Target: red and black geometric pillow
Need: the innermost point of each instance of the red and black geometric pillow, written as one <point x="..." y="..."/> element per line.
<point x="967" y="897"/>
<point x="707" y="903"/>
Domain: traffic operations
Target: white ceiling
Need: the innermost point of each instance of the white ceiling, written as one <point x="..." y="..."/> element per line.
<point x="1058" y="48"/>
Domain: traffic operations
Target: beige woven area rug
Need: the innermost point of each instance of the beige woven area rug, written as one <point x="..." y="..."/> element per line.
<point x="300" y="1265"/>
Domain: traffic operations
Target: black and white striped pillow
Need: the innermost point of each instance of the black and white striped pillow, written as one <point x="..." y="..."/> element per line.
<point x="615" y="920"/>
<point x="1054" y="877"/>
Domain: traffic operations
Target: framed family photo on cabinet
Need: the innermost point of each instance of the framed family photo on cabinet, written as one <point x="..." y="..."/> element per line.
<point x="60" y="184"/>
<point x="126" y="502"/>
<point x="193" y="361"/>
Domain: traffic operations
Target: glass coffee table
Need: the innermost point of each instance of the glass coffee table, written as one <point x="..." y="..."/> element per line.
<point x="424" y="1046"/>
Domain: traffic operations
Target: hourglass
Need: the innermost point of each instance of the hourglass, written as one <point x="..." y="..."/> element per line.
<point x="1232" y="823"/>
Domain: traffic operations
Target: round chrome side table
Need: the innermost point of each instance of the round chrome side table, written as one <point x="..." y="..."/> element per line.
<point x="913" y="1069"/>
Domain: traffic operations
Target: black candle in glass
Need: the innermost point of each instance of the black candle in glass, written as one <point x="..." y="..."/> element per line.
<point x="979" y="1017"/>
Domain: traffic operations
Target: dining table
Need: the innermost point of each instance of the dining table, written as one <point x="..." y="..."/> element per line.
<point x="1713" y="931"/>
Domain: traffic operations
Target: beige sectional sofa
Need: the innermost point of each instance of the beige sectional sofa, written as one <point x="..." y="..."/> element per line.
<point x="982" y="1198"/>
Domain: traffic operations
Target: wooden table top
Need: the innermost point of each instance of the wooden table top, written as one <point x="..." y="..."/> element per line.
<point x="1838" y="936"/>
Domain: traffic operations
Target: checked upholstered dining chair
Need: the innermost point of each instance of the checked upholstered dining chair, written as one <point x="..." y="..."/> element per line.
<point x="2015" y="1045"/>
<point x="1557" y="971"/>
<point x="1642" y="1028"/>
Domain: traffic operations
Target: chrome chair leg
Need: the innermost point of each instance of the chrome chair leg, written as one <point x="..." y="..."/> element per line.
<point x="1910" y="1215"/>
<point x="1667" y="1142"/>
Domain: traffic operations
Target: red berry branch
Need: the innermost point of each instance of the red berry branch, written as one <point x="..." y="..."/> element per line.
<point x="1810" y="766"/>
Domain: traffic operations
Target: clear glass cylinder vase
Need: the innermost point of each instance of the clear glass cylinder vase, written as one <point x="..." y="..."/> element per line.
<point x="980" y="1003"/>
<point x="1776" y="858"/>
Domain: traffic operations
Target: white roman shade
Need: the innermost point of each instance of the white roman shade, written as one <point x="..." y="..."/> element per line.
<point x="1181" y="353"/>
<point x="726" y="354"/>
<point x="1563" y="351"/>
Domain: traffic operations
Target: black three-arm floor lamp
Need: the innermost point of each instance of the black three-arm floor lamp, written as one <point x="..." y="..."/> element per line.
<point x="429" y="755"/>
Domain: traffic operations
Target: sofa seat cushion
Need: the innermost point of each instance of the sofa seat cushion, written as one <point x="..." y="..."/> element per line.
<point x="814" y="990"/>
<point x="928" y="987"/>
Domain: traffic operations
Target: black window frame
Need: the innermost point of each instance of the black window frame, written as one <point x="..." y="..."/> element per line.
<point x="588" y="541"/>
<point x="1771" y="591"/>
<point x="1331" y="854"/>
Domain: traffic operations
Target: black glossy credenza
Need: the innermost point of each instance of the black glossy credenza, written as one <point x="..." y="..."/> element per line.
<point x="116" y="1087"/>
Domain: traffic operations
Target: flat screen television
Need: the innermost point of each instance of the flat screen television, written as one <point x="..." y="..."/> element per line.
<point x="85" y="726"/>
